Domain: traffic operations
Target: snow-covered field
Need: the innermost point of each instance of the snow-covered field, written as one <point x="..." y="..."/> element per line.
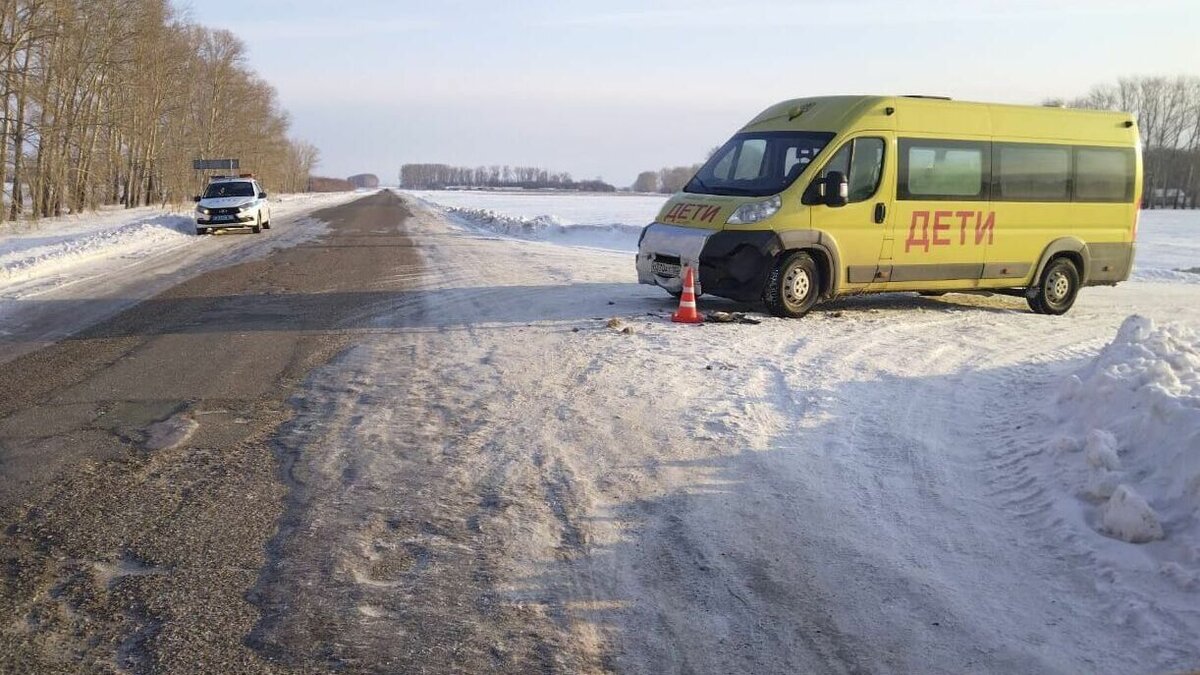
<point x="1168" y="241"/>
<point x="116" y="257"/>
<point x="611" y="221"/>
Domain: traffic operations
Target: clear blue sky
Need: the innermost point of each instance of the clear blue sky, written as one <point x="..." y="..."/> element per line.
<point x="610" y="89"/>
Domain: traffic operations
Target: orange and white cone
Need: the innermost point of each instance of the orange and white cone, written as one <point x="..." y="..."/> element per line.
<point x="687" y="301"/>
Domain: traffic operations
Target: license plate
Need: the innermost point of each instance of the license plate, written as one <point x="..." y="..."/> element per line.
<point x="664" y="269"/>
<point x="222" y="219"/>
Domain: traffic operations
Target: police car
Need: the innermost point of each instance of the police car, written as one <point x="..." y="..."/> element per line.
<point x="232" y="201"/>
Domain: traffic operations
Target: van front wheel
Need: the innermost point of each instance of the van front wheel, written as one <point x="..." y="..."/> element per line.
<point x="1057" y="290"/>
<point x="793" y="286"/>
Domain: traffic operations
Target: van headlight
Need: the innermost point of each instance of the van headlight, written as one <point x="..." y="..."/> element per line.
<point x="201" y="210"/>
<point x="755" y="211"/>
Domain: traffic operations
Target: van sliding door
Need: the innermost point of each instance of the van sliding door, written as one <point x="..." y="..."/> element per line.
<point x="944" y="218"/>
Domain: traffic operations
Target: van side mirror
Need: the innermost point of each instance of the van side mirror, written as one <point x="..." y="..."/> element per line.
<point x="196" y="198"/>
<point x="262" y="195"/>
<point x="835" y="189"/>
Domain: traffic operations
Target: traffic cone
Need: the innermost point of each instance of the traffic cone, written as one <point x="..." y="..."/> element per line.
<point x="687" y="301"/>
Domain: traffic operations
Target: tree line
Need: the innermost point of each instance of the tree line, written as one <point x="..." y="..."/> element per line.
<point x="1168" y="117"/>
<point x="109" y="101"/>
<point x="667" y="180"/>
<point x="443" y="176"/>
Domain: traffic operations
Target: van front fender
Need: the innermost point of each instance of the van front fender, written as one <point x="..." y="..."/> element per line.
<point x="792" y="240"/>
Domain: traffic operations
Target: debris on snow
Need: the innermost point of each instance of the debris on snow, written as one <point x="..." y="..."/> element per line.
<point x="1128" y="517"/>
<point x="730" y="317"/>
<point x="614" y="323"/>
<point x="171" y="432"/>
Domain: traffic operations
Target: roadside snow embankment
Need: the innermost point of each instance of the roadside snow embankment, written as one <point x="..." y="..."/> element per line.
<point x="1132" y="454"/>
<point x="24" y="257"/>
<point x="618" y="236"/>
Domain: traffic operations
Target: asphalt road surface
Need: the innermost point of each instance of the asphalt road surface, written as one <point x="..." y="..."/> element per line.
<point x="139" y="486"/>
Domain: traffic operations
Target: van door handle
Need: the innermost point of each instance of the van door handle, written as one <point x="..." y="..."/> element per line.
<point x="880" y="213"/>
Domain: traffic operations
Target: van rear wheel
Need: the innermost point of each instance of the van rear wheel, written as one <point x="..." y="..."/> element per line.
<point x="1058" y="288"/>
<point x="793" y="286"/>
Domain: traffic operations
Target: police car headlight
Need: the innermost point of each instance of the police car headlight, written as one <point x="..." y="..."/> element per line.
<point x="755" y="211"/>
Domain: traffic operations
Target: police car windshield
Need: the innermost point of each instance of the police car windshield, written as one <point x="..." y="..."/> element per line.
<point x="231" y="189"/>
<point x="757" y="164"/>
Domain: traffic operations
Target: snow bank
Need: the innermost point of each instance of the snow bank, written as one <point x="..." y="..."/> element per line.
<point x="618" y="236"/>
<point x="24" y="257"/>
<point x="1134" y="458"/>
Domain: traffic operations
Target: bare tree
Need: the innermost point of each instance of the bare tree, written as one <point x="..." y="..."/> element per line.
<point x="647" y="181"/>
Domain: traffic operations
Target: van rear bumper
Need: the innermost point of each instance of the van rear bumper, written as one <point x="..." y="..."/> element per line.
<point x="729" y="264"/>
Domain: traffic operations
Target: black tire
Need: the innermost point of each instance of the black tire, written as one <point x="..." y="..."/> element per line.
<point x="794" y="286"/>
<point x="1057" y="289"/>
<point x="256" y="227"/>
<point x="266" y="224"/>
<point x="201" y="231"/>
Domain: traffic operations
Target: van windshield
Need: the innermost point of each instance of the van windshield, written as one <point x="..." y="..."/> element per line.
<point x="757" y="164"/>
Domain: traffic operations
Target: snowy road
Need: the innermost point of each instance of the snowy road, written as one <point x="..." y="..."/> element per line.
<point x="489" y="478"/>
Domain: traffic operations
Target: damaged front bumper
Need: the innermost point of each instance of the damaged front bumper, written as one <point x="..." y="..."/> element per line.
<point x="729" y="264"/>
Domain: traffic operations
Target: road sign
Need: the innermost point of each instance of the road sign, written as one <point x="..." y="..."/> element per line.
<point x="215" y="164"/>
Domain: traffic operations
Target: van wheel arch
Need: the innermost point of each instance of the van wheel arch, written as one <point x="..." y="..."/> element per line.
<point x="824" y="265"/>
<point x="1074" y="249"/>
<point x="1062" y="270"/>
<point x="824" y="259"/>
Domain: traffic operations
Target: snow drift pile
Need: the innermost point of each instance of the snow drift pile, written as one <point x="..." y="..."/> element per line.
<point x="24" y="257"/>
<point x="1132" y="455"/>
<point x="619" y="236"/>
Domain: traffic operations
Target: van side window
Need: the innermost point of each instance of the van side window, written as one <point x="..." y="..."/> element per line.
<point x="945" y="170"/>
<point x="1032" y="173"/>
<point x="1103" y="174"/>
<point x="861" y="161"/>
<point x="866" y="168"/>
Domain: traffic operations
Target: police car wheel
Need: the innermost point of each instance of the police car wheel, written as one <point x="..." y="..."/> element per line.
<point x="1057" y="291"/>
<point x="793" y="286"/>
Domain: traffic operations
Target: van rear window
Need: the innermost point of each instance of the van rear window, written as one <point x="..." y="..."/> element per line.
<point x="758" y="164"/>
<point x="1104" y="174"/>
